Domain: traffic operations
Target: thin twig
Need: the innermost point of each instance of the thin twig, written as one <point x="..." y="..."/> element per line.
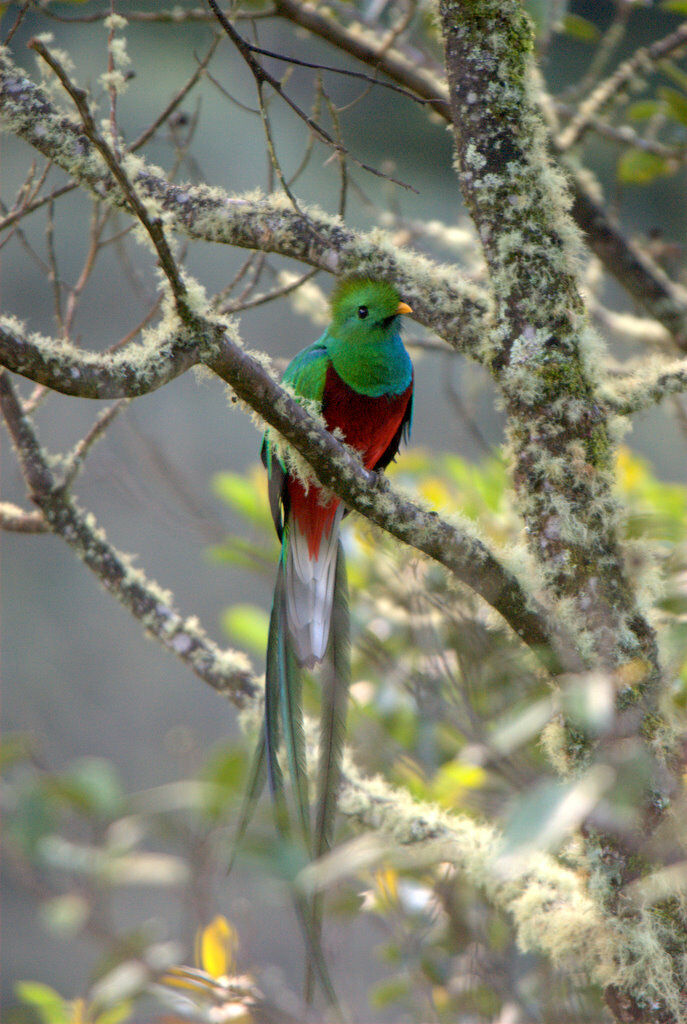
<point x="36" y="204"/>
<point x="111" y="87"/>
<point x="74" y="462"/>
<point x="262" y="77"/>
<point x="276" y="293"/>
<point x="624" y="134"/>
<point x="177" y="99"/>
<point x="152" y="226"/>
<point x="17" y="22"/>
<point x="605" y="92"/>
<point x="608" y="45"/>
<point x="346" y="72"/>
<point x="53" y="273"/>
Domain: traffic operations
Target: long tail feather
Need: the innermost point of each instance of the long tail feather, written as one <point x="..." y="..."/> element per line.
<point x="289" y="687"/>
<point x="317" y="964"/>
<point x="284" y="716"/>
<point x="335" y="686"/>
<point x="256" y="783"/>
<point x="336" y="680"/>
<point x="272" y="701"/>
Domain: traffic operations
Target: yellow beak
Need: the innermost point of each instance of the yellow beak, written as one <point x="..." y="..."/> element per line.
<point x="403" y="307"/>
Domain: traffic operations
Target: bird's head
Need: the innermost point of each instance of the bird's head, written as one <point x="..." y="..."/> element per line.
<point x="365" y="310"/>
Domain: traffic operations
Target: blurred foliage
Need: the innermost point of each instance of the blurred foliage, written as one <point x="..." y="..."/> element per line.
<point x="445" y="704"/>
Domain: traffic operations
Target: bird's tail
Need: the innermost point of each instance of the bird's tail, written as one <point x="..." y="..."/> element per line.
<point x="320" y="635"/>
<point x="310" y="588"/>
<point x="336" y="680"/>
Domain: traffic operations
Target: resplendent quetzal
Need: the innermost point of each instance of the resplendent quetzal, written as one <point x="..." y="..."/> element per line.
<point x="360" y="378"/>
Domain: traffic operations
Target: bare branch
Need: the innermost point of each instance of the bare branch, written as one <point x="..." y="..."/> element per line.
<point x="177" y="99"/>
<point x="263" y="77"/>
<point x="75" y="460"/>
<point x="152" y="225"/>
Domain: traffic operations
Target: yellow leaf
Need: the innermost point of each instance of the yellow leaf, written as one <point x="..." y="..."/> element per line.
<point x="453" y="779"/>
<point x="79" y="1011"/>
<point x="216" y="948"/>
<point x="386" y="880"/>
<point x="631" y="470"/>
<point x="436" y="492"/>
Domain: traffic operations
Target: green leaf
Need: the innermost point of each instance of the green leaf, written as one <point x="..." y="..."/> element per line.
<point x="676" y="101"/>
<point x="674" y="73"/>
<point x="115" y="1014"/>
<point x="644" y="109"/>
<point x="246" y="554"/>
<point x="247" y="625"/>
<point x="33" y="816"/>
<point x="226" y="768"/>
<point x="453" y="780"/>
<point x="549" y="811"/>
<point x="225" y="771"/>
<point x="675" y="6"/>
<point x="93" y="786"/>
<point x="580" y="28"/>
<point x="392" y="991"/>
<point x="65" y="915"/>
<point x="14" y="747"/>
<point x="241" y="495"/>
<point x="637" y="167"/>
<point x="48" y="1004"/>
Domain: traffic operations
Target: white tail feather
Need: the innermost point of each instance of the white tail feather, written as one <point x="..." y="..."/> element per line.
<point x="309" y="591"/>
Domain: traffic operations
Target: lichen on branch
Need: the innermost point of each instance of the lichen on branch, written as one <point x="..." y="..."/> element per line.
<point x="442" y="298"/>
<point x="542" y="350"/>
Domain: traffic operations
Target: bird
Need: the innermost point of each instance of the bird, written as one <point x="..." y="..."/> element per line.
<point x="359" y="377"/>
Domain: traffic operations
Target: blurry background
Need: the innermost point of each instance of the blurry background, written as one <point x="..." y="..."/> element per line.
<point x="78" y="677"/>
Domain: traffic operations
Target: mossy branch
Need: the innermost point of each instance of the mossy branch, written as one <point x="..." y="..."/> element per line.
<point x="633" y="268"/>
<point x="139" y="369"/>
<point x="542" y="348"/>
<point x="545" y="360"/>
<point x="228" y="672"/>
<point x="17" y="520"/>
<point x="548" y="903"/>
<point x="647" y="386"/>
<point x="442" y="298"/>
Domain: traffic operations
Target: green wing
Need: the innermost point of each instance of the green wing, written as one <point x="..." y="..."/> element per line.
<point x="306" y="373"/>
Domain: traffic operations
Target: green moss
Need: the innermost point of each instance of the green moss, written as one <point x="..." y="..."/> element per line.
<point x="599" y="448"/>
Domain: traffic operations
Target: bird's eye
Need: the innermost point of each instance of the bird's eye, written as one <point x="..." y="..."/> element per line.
<point x="362" y="312"/>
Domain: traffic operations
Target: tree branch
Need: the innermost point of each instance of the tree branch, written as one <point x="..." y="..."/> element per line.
<point x="441" y="298"/>
<point x="16" y="520"/>
<point x="637" y="272"/>
<point x="547" y="901"/>
<point x="611" y="86"/>
<point x="139" y="369"/>
<point x="558" y="431"/>
<point x="151" y="224"/>
<point x="228" y="671"/>
<point x="647" y="386"/>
